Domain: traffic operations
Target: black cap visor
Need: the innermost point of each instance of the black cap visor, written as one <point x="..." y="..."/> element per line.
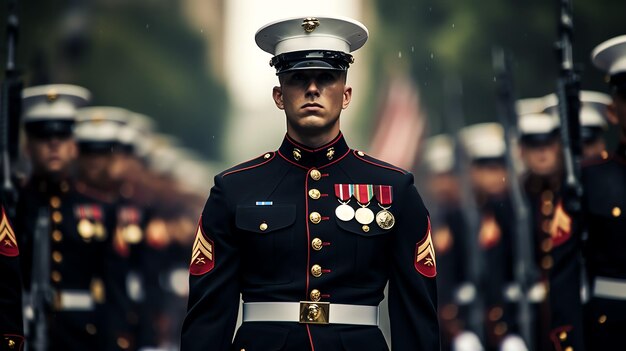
<point x="591" y="134"/>
<point x="301" y="60"/>
<point x="539" y="139"/>
<point x="50" y="129"/>
<point x="97" y="147"/>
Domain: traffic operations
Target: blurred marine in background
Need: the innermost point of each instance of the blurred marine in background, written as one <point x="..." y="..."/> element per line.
<point x="64" y="230"/>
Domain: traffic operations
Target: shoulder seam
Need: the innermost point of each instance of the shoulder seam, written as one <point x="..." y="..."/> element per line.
<point x="393" y="168"/>
<point x="265" y="160"/>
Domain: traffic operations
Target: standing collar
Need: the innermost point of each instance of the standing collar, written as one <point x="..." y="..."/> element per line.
<point x="306" y="157"/>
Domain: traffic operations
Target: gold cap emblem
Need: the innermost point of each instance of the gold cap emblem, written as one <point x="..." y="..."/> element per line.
<point x="309" y="24"/>
<point x="52" y="95"/>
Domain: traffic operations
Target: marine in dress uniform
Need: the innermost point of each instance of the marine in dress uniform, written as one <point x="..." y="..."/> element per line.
<point x="540" y="149"/>
<point x="603" y="207"/>
<point x="455" y="288"/>
<point x="69" y="264"/>
<point x="102" y="140"/>
<point x="310" y="234"/>
<point x="11" y="322"/>
<point x="485" y="147"/>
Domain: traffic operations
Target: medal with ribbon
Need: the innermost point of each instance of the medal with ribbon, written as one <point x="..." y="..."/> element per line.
<point x="363" y="194"/>
<point x="99" y="230"/>
<point x="85" y="227"/>
<point x="384" y="196"/>
<point x="129" y="218"/>
<point x="344" y="211"/>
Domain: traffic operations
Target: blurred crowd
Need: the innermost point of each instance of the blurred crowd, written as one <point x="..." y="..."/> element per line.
<point x="467" y="183"/>
<point x="106" y="213"/>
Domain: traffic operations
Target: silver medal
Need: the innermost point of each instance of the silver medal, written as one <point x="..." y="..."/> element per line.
<point x="364" y="215"/>
<point x="344" y="212"/>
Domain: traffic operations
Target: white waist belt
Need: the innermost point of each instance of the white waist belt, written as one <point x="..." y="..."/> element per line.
<point x="610" y="288"/>
<point x="74" y="300"/>
<point x="293" y="312"/>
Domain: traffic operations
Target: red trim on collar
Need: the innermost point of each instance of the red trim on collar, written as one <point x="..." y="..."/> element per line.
<point x="320" y="167"/>
<point x="333" y="142"/>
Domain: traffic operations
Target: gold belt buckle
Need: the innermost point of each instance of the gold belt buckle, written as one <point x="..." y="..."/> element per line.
<point x="314" y="312"/>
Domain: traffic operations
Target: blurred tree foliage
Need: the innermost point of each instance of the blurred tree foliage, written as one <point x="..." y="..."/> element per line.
<point x="449" y="38"/>
<point x="140" y="55"/>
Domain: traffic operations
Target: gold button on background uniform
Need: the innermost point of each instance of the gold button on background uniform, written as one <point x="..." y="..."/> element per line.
<point x="546" y="262"/>
<point x="546" y="245"/>
<point x="55" y="276"/>
<point x="316" y="270"/>
<point x="602" y="319"/>
<point x="360" y="153"/>
<point x="317" y="244"/>
<point x="314" y="194"/>
<point x="315" y="295"/>
<point x="316" y="175"/>
<point x="55" y="202"/>
<point x="266" y="156"/>
<point x="91" y="329"/>
<point x="616" y="211"/>
<point x="547" y="208"/>
<point x="563" y="336"/>
<point x="123" y="343"/>
<point x="57" y="217"/>
<point x="57" y="257"/>
<point x="57" y="236"/>
<point x="263" y="226"/>
<point x="315" y="217"/>
<point x="366" y="228"/>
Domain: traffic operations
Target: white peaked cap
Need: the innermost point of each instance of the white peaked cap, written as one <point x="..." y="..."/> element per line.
<point x="483" y="140"/>
<point x="610" y="56"/>
<point x="53" y="102"/>
<point x="439" y="153"/>
<point x="311" y="33"/>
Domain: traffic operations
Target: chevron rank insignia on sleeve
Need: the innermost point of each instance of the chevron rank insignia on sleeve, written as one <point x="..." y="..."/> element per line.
<point x="203" y="255"/>
<point x="425" y="262"/>
<point x="8" y="241"/>
<point x="561" y="226"/>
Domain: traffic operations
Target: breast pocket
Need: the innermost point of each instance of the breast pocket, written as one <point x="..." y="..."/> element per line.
<point x="266" y="240"/>
<point x="367" y="249"/>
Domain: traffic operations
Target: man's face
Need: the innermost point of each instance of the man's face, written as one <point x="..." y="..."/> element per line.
<point x="489" y="179"/>
<point x="542" y="160"/>
<point x="94" y="169"/>
<point x="51" y="155"/>
<point x="312" y="100"/>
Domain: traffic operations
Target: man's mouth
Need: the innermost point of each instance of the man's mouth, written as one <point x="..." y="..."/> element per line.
<point x="312" y="105"/>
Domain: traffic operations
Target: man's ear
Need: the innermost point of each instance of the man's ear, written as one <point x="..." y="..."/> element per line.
<point x="611" y="114"/>
<point x="347" y="97"/>
<point x="277" y="95"/>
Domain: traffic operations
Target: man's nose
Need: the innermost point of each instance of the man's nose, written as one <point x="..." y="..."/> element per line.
<point x="312" y="88"/>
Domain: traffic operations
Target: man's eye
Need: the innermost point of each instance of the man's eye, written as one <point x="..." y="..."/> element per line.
<point x="326" y="77"/>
